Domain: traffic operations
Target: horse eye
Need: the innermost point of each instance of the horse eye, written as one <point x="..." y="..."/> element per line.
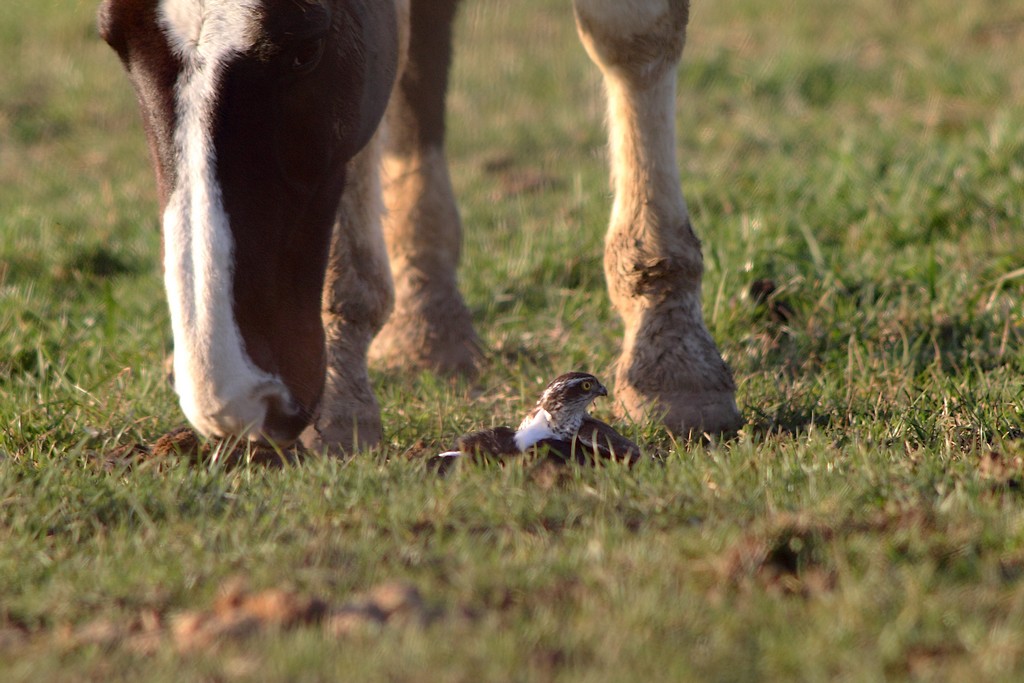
<point x="307" y="56"/>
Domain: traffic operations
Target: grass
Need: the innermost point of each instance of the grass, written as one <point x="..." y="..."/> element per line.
<point x="867" y="523"/>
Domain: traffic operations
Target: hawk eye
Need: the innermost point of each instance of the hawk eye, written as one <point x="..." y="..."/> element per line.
<point x="586" y="385"/>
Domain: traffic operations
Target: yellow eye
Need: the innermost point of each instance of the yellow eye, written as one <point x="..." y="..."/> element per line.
<point x="587" y="385"/>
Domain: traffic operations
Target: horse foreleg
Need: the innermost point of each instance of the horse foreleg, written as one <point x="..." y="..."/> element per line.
<point x="430" y="326"/>
<point x="670" y="368"/>
<point x="357" y="298"/>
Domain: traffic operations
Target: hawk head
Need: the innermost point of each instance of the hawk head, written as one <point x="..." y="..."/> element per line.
<point x="561" y="409"/>
<point x="568" y="395"/>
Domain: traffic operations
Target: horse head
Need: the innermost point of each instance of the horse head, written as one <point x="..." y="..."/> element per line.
<point x="252" y="109"/>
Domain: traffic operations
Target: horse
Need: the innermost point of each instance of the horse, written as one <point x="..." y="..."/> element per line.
<point x="269" y="125"/>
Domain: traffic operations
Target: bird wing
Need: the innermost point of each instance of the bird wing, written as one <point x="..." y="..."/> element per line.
<point x="594" y="439"/>
<point x="562" y="449"/>
<point x="604" y="441"/>
<point x="498" y="441"/>
<point x="488" y="443"/>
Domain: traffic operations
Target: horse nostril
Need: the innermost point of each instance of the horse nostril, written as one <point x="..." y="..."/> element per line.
<point x="283" y="423"/>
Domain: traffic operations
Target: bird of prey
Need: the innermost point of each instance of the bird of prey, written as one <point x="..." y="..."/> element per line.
<point x="558" y="424"/>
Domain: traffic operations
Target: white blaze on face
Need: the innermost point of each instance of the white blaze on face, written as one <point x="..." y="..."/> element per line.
<point x="221" y="390"/>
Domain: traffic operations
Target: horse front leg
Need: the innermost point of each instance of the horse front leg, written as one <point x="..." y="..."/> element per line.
<point x="431" y="326"/>
<point x="670" y="368"/>
<point x="357" y="298"/>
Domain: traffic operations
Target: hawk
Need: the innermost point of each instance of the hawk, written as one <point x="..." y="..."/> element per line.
<point x="559" y="424"/>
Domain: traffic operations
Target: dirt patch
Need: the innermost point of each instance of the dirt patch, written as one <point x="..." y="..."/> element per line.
<point x="925" y="661"/>
<point x="239" y="613"/>
<point x="551" y="472"/>
<point x="184" y="444"/>
<point x="527" y="181"/>
<point x="764" y="294"/>
<point x="789" y="558"/>
<point x="1002" y="470"/>
<point x="793" y="554"/>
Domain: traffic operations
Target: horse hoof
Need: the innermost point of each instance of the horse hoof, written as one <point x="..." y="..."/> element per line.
<point x="342" y="438"/>
<point x="684" y="413"/>
<point x="441" y="340"/>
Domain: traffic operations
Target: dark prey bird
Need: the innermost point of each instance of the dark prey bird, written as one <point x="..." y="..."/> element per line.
<point x="558" y="423"/>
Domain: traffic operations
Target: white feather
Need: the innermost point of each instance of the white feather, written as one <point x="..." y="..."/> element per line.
<point x="536" y="427"/>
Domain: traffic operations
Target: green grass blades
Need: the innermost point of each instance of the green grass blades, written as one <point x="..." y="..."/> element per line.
<point x="856" y="173"/>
